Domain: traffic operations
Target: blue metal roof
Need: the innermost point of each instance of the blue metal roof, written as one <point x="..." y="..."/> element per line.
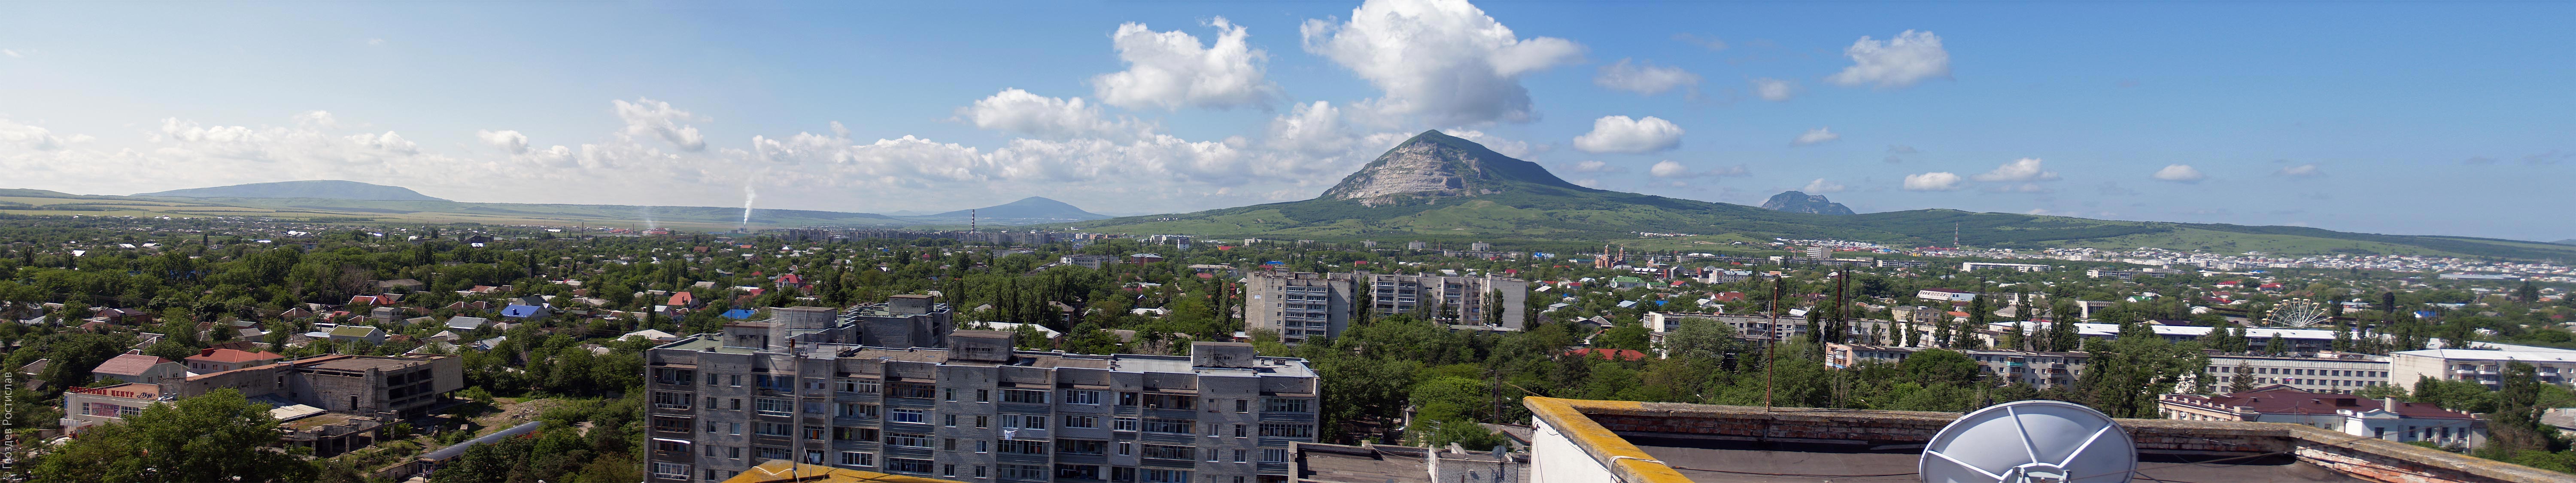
<point x="739" y="314"/>
<point x="519" y="311"/>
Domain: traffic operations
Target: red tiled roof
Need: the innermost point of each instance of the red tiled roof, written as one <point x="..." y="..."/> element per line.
<point x="2278" y="398"/>
<point x="234" y="356"/>
<point x="1619" y="354"/>
<point x="128" y="364"/>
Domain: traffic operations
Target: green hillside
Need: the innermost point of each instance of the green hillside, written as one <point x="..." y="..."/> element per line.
<point x="1507" y="199"/>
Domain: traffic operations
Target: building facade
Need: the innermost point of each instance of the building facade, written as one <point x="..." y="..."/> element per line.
<point x="2551" y="366"/>
<point x="1450" y="299"/>
<point x="2330" y="373"/>
<point x="972" y="411"/>
<point x="2038" y="369"/>
<point x="1299" y="305"/>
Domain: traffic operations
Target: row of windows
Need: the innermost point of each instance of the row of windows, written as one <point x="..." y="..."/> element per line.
<point x="670" y="400"/>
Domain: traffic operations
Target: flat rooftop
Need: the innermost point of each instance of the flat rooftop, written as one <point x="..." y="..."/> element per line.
<point x="1278" y="366"/>
<point x="1639" y="442"/>
<point x="1704" y="460"/>
<point x="362" y="363"/>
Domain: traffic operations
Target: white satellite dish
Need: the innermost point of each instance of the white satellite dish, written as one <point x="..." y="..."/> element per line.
<point x="2030" y="441"/>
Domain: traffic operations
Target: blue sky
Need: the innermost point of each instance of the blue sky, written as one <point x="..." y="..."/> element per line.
<point x="2420" y="118"/>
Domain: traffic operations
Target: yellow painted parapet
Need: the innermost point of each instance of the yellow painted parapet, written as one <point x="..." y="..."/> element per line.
<point x="1624" y="460"/>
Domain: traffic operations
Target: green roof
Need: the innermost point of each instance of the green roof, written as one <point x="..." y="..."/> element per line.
<point x="1628" y="279"/>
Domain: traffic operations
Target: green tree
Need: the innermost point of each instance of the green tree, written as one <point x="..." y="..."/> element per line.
<point x="219" y="436"/>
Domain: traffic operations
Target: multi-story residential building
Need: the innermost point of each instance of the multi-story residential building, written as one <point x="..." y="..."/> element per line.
<point x="2018" y="267"/>
<point x="2329" y="373"/>
<point x="2376" y="418"/>
<point x="1299" y="305"/>
<point x="973" y="411"/>
<point x="2551" y="366"/>
<point x="1451" y="299"/>
<point x="1751" y="327"/>
<point x="2300" y="341"/>
<point x="2038" y="369"/>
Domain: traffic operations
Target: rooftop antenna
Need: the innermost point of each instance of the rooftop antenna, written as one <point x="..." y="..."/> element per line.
<point x="2030" y="441"/>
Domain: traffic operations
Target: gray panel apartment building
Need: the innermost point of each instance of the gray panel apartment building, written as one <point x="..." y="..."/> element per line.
<point x="1299" y="305"/>
<point x="1451" y="299"/>
<point x="973" y="411"/>
<point x="1303" y="305"/>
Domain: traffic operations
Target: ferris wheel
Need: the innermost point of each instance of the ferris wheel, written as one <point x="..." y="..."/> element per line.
<point x="2295" y="313"/>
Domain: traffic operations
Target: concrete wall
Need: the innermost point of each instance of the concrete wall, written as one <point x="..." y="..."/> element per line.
<point x="1554" y="458"/>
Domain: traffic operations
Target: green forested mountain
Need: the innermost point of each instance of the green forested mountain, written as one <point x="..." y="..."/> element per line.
<point x="1442" y="188"/>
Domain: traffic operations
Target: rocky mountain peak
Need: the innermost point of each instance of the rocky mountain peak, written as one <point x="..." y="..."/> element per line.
<point x="1797" y="202"/>
<point x="1435" y="165"/>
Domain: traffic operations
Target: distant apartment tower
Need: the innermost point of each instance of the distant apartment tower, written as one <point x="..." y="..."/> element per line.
<point x="1451" y="299"/>
<point x="1415" y="245"/>
<point x="1480" y="247"/>
<point x="975" y="411"/>
<point x="1093" y="262"/>
<point x="2018" y="267"/>
<point x="1820" y="252"/>
<point x="1299" y="305"/>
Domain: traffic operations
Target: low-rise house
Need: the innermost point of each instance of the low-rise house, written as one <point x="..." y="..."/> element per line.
<point x="2385" y="419"/>
<point x="84" y="407"/>
<point x="136" y="367"/>
<point x="208" y="361"/>
<point x="525" y="311"/>
<point x="466" y="323"/>
<point x="358" y="333"/>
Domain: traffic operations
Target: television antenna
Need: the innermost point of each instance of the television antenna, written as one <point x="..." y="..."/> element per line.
<point x="2029" y="442"/>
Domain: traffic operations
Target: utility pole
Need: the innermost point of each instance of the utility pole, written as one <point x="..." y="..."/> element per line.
<point x="1770" y="340"/>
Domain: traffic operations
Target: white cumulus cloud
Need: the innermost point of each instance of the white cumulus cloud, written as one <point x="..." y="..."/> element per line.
<point x="1621" y="134"/>
<point x="510" y="141"/>
<point x="2180" y="173"/>
<point x="1933" y="181"/>
<point x="1774" y="90"/>
<point x="35" y="137"/>
<point x="1910" y="57"/>
<point x="1595" y="167"/>
<point x="2019" y="170"/>
<point x="1171" y="70"/>
<point x="1813" y="136"/>
<point x="1675" y="169"/>
<point x="1644" y="78"/>
<point x="1444" y="59"/>
<point x="2300" y="171"/>
<point x="647" y="117"/>
<point x="1822" y="186"/>
<point x="1019" y="111"/>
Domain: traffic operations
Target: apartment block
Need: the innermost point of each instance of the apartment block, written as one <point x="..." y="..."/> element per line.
<point x="1451" y="299"/>
<point x="1299" y="305"/>
<point x="2330" y="373"/>
<point x="973" y="410"/>
<point x="2549" y="365"/>
<point x="2038" y="369"/>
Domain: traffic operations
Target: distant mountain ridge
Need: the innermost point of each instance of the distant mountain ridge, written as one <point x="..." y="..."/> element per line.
<point x="319" y="189"/>
<point x="1437" y="187"/>
<point x="1797" y="202"/>
<point x="1034" y="207"/>
<point x="1027" y="211"/>
<point x="1435" y="165"/>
